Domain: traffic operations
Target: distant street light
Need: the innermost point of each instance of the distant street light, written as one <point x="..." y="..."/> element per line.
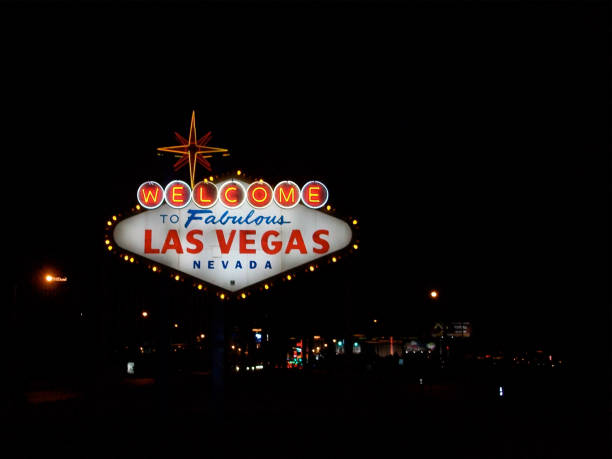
<point x="433" y="294"/>
<point x="49" y="278"/>
<point x="145" y="314"/>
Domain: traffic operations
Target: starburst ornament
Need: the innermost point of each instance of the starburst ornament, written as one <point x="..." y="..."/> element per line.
<point x="193" y="151"/>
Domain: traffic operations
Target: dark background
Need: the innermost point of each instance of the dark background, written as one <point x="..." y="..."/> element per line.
<point x="484" y="125"/>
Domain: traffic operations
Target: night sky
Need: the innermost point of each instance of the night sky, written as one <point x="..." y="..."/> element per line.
<point x="469" y="139"/>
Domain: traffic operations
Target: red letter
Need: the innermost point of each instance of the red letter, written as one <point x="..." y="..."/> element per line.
<point x="172" y="242"/>
<point x="276" y="245"/>
<point x="147" y="247"/>
<point x="223" y="244"/>
<point x="317" y="239"/>
<point x="198" y="245"/>
<point x="147" y="194"/>
<point x="244" y="241"/>
<point x="296" y="242"/>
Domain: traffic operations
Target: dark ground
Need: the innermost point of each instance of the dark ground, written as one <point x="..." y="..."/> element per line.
<point x="344" y="413"/>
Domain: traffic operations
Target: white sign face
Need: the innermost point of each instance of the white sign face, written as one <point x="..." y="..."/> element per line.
<point x="232" y="248"/>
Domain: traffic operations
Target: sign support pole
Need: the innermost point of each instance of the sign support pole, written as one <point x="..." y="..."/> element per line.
<point x="218" y="367"/>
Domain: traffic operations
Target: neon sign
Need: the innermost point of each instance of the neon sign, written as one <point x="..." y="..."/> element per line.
<point x="233" y="194"/>
<point x="233" y="235"/>
<point x="228" y="232"/>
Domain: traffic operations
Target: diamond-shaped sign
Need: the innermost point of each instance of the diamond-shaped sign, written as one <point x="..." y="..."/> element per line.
<point x="232" y="248"/>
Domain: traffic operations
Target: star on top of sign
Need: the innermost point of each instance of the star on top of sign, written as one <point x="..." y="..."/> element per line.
<point x="193" y="151"/>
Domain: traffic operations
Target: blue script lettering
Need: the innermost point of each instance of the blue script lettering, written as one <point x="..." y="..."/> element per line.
<point x="225" y="218"/>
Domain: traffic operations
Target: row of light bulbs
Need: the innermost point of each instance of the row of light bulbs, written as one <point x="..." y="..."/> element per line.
<point x="286" y="277"/>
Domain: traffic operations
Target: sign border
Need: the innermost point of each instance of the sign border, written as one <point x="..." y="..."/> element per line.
<point x="222" y="294"/>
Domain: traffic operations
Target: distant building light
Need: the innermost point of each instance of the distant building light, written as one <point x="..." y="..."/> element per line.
<point x="130" y="368"/>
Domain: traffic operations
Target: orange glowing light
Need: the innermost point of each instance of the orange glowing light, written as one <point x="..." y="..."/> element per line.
<point x="314" y="194"/>
<point x="263" y="198"/>
<point x="232" y="194"/>
<point x="227" y="198"/>
<point x="193" y="150"/>
<point x="259" y="194"/>
<point x="205" y="194"/>
<point x="287" y="194"/>
<point x="433" y="294"/>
